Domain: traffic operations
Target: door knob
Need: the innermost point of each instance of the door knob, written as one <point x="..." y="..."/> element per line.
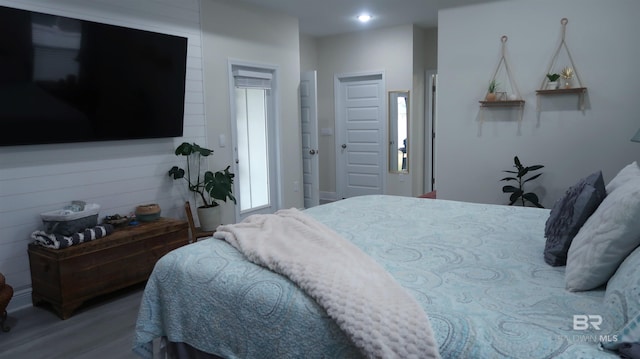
<point x="344" y="145"/>
<point x="312" y="152"/>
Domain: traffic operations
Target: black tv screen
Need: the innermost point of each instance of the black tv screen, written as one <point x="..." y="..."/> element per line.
<point x="69" y="80"/>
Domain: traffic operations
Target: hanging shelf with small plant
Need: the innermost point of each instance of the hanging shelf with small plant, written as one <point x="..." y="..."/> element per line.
<point x="567" y="81"/>
<point x="496" y="98"/>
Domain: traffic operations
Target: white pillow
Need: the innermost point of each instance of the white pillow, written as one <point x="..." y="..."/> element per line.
<point x="606" y="239"/>
<point x="629" y="172"/>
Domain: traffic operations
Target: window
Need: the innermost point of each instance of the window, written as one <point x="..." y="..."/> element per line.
<point x="255" y="142"/>
<point x="253" y="162"/>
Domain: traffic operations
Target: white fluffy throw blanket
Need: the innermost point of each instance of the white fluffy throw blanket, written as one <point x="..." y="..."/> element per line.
<point x="379" y="316"/>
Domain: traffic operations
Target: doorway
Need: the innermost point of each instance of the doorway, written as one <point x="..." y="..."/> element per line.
<point x="254" y="122"/>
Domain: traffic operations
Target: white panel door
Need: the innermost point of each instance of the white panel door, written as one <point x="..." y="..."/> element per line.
<point x="360" y="134"/>
<point x="309" y="119"/>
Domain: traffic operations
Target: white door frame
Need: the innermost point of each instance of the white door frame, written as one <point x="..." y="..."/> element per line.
<point x="340" y="129"/>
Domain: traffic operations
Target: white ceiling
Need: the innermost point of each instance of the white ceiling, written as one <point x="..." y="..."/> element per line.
<point x="330" y="17"/>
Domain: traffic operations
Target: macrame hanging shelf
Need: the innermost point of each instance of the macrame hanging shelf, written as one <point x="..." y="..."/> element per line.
<point x="566" y="85"/>
<point x="504" y="99"/>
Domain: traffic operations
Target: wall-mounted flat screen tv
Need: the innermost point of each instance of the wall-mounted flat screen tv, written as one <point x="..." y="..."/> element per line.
<point x="68" y="80"/>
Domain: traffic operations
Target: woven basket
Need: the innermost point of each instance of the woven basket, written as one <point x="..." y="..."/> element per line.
<point x="148" y="212"/>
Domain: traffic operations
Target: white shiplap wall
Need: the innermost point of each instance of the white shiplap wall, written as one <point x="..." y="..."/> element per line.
<point x="118" y="175"/>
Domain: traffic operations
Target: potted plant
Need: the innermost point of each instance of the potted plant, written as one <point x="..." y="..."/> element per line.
<point x="493" y="87"/>
<point x="553" y="81"/>
<point x="518" y="193"/>
<point x="209" y="185"/>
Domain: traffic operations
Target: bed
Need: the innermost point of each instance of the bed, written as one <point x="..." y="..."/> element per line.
<point x="477" y="270"/>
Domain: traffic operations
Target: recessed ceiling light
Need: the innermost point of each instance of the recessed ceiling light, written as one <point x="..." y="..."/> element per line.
<point x="364" y="17"/>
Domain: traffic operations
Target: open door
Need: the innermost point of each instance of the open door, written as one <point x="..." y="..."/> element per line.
<point x="309" y="119"/>
<point x="430" y="131"/>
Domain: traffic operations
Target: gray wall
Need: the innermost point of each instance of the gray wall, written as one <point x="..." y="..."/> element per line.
<point x="471" y="154"/>
<point x="246" y="34"/>
<point x="308" y="53"/>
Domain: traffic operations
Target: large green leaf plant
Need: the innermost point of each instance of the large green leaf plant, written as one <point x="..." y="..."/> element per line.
<point x="211" y="186"/>
<point x="518" y="193"/>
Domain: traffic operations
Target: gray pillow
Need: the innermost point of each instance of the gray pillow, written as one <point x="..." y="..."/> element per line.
<point x="605" y="240"/>
<point x="569" y="214"/>
<point x="628" y="172"/>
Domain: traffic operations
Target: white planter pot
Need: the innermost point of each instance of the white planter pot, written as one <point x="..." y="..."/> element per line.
<point x="209" y="218"/>
<point x="552" y="85"/>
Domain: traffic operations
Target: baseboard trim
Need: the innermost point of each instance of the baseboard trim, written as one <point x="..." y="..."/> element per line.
<point x="326" y="197"/>
<point x="21" y="299"/>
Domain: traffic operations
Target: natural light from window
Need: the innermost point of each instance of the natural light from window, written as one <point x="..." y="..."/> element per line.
<point x="253" y="161"/>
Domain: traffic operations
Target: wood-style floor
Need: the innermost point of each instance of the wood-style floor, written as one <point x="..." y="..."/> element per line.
<point x="102" y="328"/>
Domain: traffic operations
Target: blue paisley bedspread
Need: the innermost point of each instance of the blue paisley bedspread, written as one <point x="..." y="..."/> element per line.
<point x="477" y="269"/>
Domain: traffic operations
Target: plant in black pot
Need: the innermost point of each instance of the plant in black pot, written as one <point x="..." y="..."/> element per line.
<point x="210" y="186"/>
<point x="552" y="84"/>
<point x="518" y="193"/>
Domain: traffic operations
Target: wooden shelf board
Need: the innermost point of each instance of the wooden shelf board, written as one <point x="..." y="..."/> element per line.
<point x="512" y="103"/>
<point x="562" y="91"/>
